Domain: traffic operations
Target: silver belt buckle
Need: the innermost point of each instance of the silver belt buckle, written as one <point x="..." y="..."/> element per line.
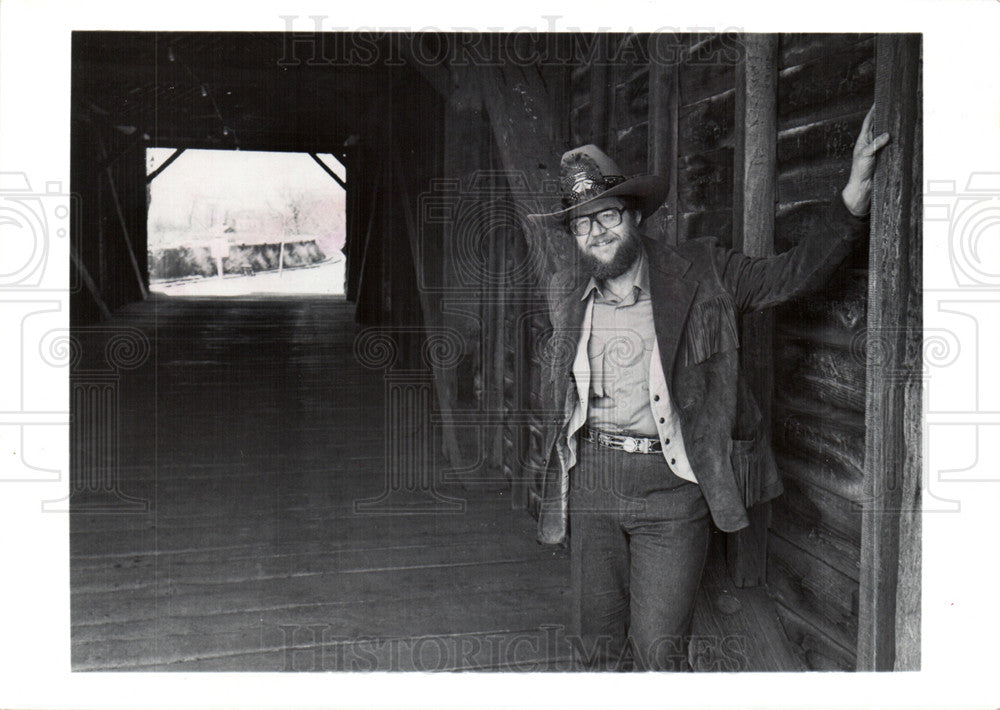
<point x="630" y="445"/>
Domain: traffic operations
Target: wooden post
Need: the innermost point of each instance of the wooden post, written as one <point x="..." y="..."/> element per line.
<point x="529" y="140"/>
<point x="121" y="217"/>
<point x="372" y="286"/>
<point x="360" y="250"/>
<point x="465" y="151"/>
<point x="525" y="132"/>
<point x="892" y="458"/>
<point x="281" y="259"/>
<point x="663" y="102"/>
<point x="753" y="232"/>
<point x="357" y="189"/>
<point x="600" y="95"/>
<point x="431" y="318"/>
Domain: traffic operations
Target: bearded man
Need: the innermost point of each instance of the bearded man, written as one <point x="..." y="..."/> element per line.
<point x="658" y="432"/>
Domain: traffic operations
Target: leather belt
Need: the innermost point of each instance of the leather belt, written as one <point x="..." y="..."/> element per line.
<point x="629" y="444"/>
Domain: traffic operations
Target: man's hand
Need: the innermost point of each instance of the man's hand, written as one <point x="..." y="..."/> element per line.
<point x="858" y="193"/>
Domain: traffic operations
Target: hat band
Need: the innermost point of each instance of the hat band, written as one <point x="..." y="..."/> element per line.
<point x="589" y="189"/>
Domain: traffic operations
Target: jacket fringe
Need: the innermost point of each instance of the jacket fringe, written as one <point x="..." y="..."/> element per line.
<point x="711" y="329"/>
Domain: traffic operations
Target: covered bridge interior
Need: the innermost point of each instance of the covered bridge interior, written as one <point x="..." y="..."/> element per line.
<point x="292" y="483"/>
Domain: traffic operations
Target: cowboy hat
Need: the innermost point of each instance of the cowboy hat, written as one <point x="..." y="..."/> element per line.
<point x="587" y="174"/>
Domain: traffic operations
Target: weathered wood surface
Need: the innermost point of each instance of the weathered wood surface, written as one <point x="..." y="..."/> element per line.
<point x="632" y="146"/>
<point x="632" y="95"/>
<point x="834" y="84"/>
<point x="908" y="586"/>
<point x="822" y="434"/>
<point x="707" y="124"/>
<point x="807" y="182"/>
<point x="737" y="629"/>
<point x="663" y="130"/>
<point x="705" y="182"/>
<point x="806" y="534"/>
<point x="799" y="48"/>
<point x="108" y="227"/>
<point x="252" y="480"/>
<point x="821" y="373"/>
<point x="841" y="304"/>
<point x="708" y="66"/>
<point x="252" y="556"/>
<point x="892" y="453"/>
<point x="822" y="334"/>
<point x="820" y="652"/>
<point x="824" y="89"/>
<point x="754" y="171"/>
<point x="814" y="590"/>
<point x="713" y="223"/>
<point x="828" y="139"/>
<point x="600" y="95"/>
<point x="824" y="501"/>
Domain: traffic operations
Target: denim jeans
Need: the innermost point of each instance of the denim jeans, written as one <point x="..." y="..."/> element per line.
<point x="638" y="542"/>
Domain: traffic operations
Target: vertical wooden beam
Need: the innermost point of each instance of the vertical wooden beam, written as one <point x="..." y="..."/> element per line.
<point x="388" y="203"/>
<point x="466" y="141"/>
<point x="497" y="326"/>
<point x="528" y="138"/>
<point x="121" y="216"/>
<point x="361" y="252"/>
<point x="754" y="177"/>
<point x="600" y="92"/>
<point x="431" y="316"/>
<point x="892" y="333"/>
<point x="664" y="85"/>
<point x="908" y="584"/>
<point x="357" y="189"/>
<point x="372" y="288"/>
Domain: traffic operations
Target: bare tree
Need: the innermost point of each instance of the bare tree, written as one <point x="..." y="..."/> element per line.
<point x="300" y="211"/>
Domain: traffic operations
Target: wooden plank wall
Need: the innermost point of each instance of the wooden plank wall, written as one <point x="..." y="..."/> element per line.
<point x="889" y="598"/>
<point x="525" y="105"/>
<point x="527" y="327"/>
<point x="616" y="84"/>
<point x="825" y="86"/>
<point x="399" y="158"/>
<point x="465" y="153"/>
<point x="111" y="277"/>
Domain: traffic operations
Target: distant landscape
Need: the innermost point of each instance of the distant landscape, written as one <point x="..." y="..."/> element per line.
<point x="243" y="215"/>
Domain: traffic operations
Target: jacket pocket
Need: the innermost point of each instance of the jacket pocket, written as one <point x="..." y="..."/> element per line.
<point x="754" y="470"/>
<point x="711" y="329"/>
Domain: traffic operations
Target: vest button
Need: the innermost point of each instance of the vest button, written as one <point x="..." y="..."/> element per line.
<point x="666" y="442"/>
<point x="673" y="461"/>
<point x="662" y="420"/>
<point x="656" y="398"/>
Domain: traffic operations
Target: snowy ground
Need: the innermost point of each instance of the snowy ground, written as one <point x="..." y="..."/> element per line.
<point x="325" y="278"/>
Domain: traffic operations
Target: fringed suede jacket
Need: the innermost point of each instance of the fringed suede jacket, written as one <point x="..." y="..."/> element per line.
<point x="698" y="290"/>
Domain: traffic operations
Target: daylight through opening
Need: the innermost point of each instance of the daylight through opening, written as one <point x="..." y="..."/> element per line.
<point x="236" y="223"/>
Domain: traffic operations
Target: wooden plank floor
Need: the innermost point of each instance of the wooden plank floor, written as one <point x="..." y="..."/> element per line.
<point x="248" y="429"/>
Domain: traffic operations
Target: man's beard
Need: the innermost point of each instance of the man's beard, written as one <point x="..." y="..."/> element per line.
<point x="628" y="252"/>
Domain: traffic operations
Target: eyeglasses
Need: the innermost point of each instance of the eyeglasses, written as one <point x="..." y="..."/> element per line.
<point x="611" y="217"/>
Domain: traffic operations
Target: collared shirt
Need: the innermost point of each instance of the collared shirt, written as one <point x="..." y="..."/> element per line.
<point x="601" y="372"/>
<point x="621" y="342"/>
